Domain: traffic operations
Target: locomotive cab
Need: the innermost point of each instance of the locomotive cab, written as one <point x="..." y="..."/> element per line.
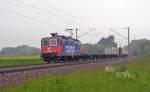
<point x="50" y="47"/>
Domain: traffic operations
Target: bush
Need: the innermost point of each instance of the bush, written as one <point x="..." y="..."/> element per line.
<point x="125" y="75"/>
<point x="122" y="73"/>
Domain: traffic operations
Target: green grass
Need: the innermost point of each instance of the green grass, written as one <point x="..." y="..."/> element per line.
<point x="19" y="60"/>
<point x="96" y="80"/>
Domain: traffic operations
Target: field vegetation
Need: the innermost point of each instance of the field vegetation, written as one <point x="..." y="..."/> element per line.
<point x="111" y="79"/>
<point x="19" y="60"/>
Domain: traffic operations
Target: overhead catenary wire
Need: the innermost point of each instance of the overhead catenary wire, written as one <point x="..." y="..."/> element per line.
<point x="86" y="33"/>
<point x="60" y="10"/>
<point x="119" y="29"/>
<point x="118" y="33"/>
<point x="42" y="10"/>
<point x="25" y="8"/>
<point x="19" y="1"/>
<point x="101" y="34"/>
<point x="29" y="17"/>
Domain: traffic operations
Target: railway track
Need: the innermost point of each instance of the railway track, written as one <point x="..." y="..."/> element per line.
<point x="17" y="74"/>
<point x="19" y="68"/>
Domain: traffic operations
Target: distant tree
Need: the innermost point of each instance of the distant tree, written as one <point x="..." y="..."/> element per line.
<point x="99" y="48"/>
<point x="108" y="42"/>
<point x="137" y="47"/>
<point x="23" y="50"/>
<point x="146" y="49"/>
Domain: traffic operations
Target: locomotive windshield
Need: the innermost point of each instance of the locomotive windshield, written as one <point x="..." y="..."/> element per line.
<point x="45" y="42"/>
<point x="53" y="42"/>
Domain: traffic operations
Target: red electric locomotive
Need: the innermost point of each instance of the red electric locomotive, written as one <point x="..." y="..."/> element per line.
<point x="59" y="48"/>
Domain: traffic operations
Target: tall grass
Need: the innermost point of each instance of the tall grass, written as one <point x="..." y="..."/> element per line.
<point x="96" y="80"/>
<point x="19" y="60"/>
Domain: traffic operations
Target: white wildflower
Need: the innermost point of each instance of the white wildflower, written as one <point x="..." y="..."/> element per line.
<point x="109" y="69"/>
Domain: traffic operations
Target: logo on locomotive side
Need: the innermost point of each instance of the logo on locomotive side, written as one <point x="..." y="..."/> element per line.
<point x="69" y="49"/>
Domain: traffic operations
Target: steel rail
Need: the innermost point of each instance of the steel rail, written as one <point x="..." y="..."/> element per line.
<point x="23" y="68"/>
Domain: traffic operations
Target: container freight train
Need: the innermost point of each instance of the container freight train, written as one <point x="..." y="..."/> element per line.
<point x="62" y="48"/>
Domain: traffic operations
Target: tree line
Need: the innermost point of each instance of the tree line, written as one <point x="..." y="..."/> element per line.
<point x="22" y="50"/>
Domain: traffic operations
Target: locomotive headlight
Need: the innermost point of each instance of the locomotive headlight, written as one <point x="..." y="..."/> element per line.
<point x="48" y="49"/>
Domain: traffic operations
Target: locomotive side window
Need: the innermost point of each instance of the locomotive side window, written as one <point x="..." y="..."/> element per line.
<point x="53" y="42"/>
<point x="45" y="42"/>
<point x="58" y="42"/>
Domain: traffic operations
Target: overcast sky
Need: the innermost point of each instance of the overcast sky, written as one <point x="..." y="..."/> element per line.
<point x="27" y="21"/>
